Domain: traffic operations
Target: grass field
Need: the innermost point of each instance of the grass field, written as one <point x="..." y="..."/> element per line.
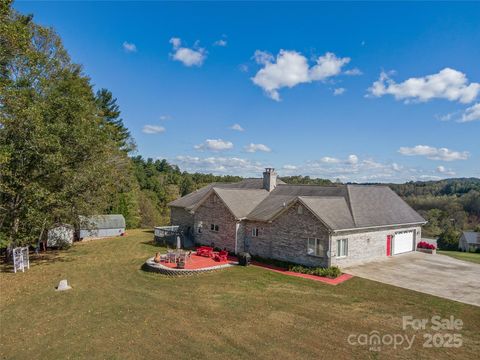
<point x="117" y="311"/>
<point x="460" y="255"/>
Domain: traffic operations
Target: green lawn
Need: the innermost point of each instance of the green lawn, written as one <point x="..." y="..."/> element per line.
<point x="460" y="255"/>
<point x="117" y="311"/>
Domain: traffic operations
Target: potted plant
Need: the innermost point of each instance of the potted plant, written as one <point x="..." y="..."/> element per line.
<point x="425" y="247"/>
<point x="180" y="264"/>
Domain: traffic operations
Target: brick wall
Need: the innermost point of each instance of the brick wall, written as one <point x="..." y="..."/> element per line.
<point x="181" y="217"/>
<point x="286" y="238"/>
<point x="217" y="213"/>
<point x="364" y="246"/>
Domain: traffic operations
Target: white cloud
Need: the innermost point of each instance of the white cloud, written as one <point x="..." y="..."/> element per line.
<point x="221" y="43"/>
<point x="220" y="165"/>
<point x="327" y="66"/>
<point x="364" y="170"/>
<point x="338" y="91"/>
<point x="429" y="177"/>
<point x="129" y="47"/>
<point x="243" y="68"/>
<point x="237" y="127"/>
<point x="396" y="167"/>
<point x="188" y="56"/>
<point x="471" y="114"/>
<point x="291" y="68"/>
<point x="353" y="168"/>
<point x="443" y="170"/>
<point x="352" y="159"/>
<point x="165" y="117"/>
<point x="251" y="148"/>
<point x="329" y="160"/>
<point x="447" y="84"/>
<point x="434" y="153"/>
<point x="176" y="42"/>
<point x="353" y="72"/>
<point x="262" y="57"/>
<point x="153" y="129"/>
<point x="214" y="145"/>
<point x="446" y="117"/>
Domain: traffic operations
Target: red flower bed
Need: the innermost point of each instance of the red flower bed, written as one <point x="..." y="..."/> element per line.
<point x="425" y="245"/>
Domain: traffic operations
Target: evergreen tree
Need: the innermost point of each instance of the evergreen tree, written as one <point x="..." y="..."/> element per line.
<point x="109" y="111"/>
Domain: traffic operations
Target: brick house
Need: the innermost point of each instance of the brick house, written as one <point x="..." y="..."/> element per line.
<point x="306" y="224"/>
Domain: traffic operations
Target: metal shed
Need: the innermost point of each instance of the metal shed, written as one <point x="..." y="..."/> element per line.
<point x="99" y="226"/>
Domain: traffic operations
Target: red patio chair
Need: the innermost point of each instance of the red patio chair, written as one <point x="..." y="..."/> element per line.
<point x="221" y="256"/>
<point x="204" y="251"/>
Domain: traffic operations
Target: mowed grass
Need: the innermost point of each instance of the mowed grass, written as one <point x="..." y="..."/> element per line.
<point x="460" y="255"/>
<point x="117" y="311"/>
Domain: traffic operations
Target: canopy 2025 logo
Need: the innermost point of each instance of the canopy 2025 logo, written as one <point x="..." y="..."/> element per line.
<point x="442" y="333"/>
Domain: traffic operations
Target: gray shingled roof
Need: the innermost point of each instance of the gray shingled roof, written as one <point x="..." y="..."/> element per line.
<point x="189" y="201"/>
<point x="102" y="222"/>
<point x="241" y="201"/>
<point x="333" y="211"/>
<point x="379" y="205"/>
<point x="472" y="237"/>
<point x="271" y="206"/>
<point x="340" y="207"/>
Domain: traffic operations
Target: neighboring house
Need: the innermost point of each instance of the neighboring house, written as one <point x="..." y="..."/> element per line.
<point x="99" y="226"/>
<point x="469" y="241"/>
<point x="306" y="224"/>
<point x="60" y="234"/>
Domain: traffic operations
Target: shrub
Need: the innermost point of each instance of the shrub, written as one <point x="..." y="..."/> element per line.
<point x="448" y="239"/>
<point x="425" y="245"/>
<point x="330" y="272"/>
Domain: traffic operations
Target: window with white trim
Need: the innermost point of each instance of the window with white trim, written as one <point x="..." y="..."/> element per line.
<point x="342" y="247"/>
<point x="315" y="247"/>
<point x="200" y="227"/>
<point x="255" y="232"/>
<point x="214" y="227"/>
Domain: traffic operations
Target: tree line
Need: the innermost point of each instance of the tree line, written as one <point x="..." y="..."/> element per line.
<point x="449" y="206"/>
<point x="65" y="151"/>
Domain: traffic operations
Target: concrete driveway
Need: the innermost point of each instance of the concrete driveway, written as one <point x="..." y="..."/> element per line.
<point x="438" y="275"/>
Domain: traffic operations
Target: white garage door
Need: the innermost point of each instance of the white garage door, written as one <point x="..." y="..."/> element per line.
<point x="403" y="242"/>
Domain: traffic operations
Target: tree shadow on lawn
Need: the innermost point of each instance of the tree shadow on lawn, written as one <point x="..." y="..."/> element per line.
<point x="43" y="258"/>
<point x="153" y="244"/>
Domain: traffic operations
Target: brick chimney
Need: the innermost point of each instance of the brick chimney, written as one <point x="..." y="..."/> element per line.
<point x="269" y="179"/>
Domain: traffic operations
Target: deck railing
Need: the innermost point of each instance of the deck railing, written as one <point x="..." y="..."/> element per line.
<point x="162" y="231"/>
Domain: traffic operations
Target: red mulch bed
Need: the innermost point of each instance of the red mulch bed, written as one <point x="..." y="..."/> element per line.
<point x="200" y="262"/>
<point x="336" y="281"/>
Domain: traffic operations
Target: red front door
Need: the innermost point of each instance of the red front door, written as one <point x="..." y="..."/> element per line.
<point x="389" y="245"/>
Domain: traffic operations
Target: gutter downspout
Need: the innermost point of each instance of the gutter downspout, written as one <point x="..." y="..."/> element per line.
<point x="237" y="225"/>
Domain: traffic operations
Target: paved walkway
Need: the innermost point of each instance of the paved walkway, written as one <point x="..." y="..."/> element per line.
<point x="438" y="275"/>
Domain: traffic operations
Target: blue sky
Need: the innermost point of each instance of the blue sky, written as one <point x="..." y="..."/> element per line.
<point x="381" y="92"/>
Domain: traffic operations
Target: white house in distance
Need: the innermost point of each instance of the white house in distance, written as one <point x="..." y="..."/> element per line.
<point x="99" y="226"/>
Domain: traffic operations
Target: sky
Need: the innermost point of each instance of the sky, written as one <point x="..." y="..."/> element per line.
<point x="363" y="92"/>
